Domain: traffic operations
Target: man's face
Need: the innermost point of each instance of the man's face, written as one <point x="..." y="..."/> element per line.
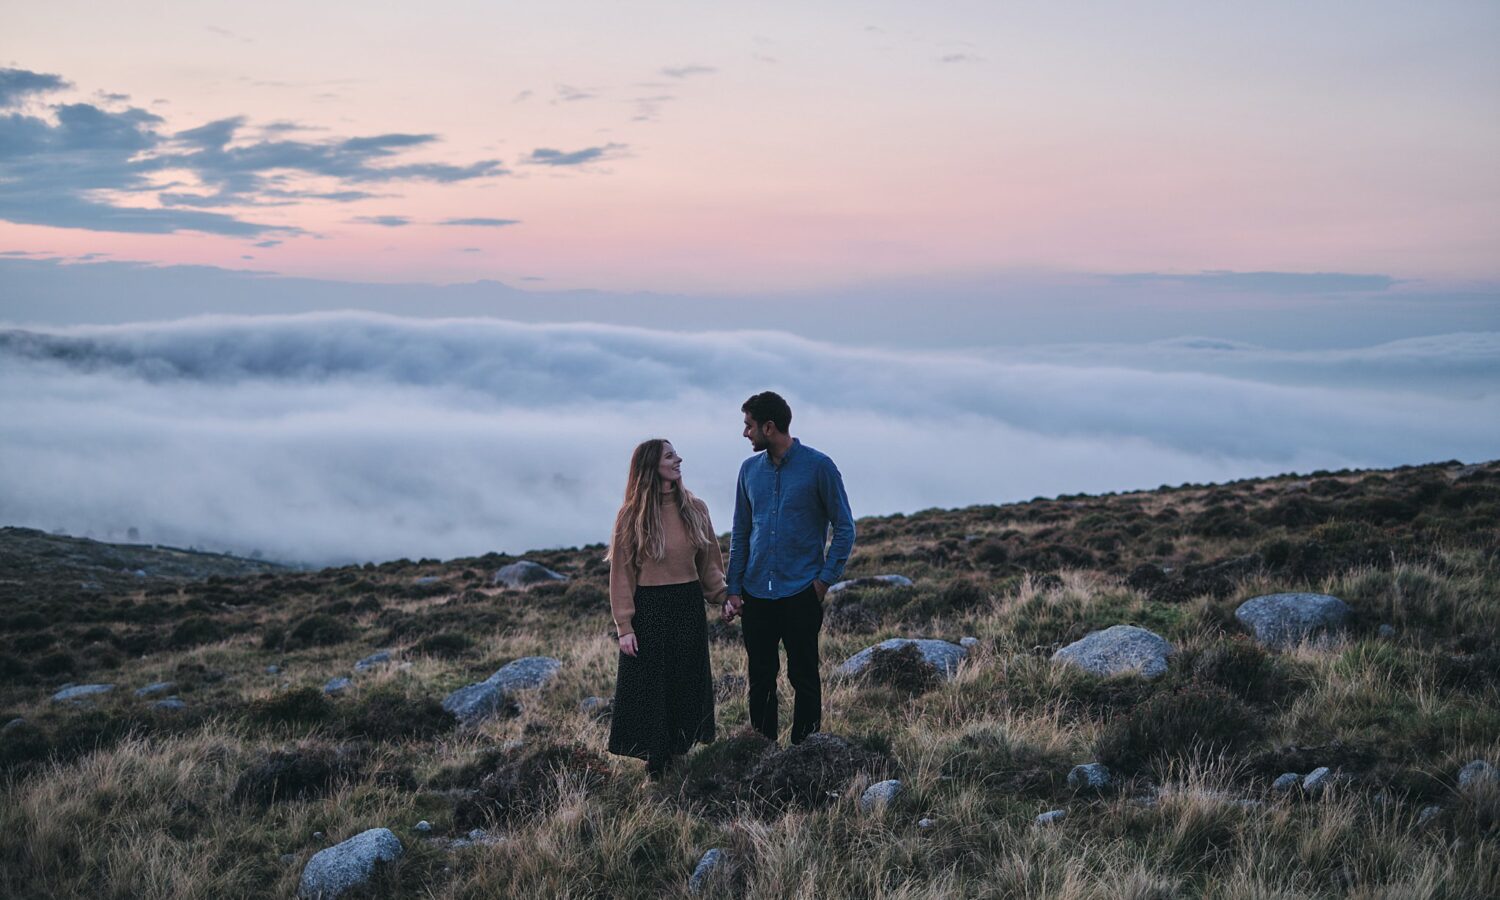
<point x="755" y="433"/>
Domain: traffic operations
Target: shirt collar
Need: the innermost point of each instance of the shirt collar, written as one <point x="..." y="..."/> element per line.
<point x="789" y="452"/>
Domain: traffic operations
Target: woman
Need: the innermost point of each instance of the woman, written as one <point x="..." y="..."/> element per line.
<point x="664" y="563"/>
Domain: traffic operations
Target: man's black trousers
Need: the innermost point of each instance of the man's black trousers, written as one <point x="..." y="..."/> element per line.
<point x="793" y="622"/>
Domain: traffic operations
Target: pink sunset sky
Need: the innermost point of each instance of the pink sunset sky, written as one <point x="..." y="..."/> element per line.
<point x="747" y="147"/>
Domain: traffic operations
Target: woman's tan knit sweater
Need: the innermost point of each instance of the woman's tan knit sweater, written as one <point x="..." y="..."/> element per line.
<point x="683" y="562"/>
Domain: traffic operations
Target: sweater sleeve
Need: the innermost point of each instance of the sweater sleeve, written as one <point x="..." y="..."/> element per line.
<point x="623" y="575"/>
<point x="711" y="566"/>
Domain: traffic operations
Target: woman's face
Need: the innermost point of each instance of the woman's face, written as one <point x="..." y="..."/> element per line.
<point x="670" y="467"/>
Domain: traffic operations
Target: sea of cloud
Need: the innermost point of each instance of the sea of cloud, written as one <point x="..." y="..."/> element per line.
<point x="331" y="437"/>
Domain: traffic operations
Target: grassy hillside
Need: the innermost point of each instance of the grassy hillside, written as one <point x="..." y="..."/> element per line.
<point x="231" y="794"/>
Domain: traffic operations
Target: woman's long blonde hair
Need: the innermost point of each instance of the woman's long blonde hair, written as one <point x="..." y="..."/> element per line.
<point x="639" y="519"/>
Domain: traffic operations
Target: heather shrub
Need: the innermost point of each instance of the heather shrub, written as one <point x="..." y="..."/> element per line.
<point x="812" y="773"/>
<point x="196" y="630"/>
<point x="306" y="705"/>
<point x="306" y="771"/>
<point x="1176" y="724"/>
<point x="389" y="713"/>
<point x="903" y="669"/>
<point x="711" y="779"/>
<point x="318" y="630"/>
<point x="990" y="755"/>
<point x="527" y="784"/>
<point x="444" y="645"/>
<point x="1247" y="670"/>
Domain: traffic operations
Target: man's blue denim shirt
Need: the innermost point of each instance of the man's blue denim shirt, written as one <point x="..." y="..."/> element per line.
<point x="782" y="517"/>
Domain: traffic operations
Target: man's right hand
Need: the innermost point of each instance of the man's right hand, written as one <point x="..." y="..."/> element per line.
<point x="732" y="605"/>
<point x="627" y="644"/>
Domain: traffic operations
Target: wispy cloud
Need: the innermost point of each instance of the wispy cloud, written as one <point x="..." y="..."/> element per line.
<point x="18" y="84"/>
<point x="1268" y="282"/>
<point x="567" y="93"/>
<point x="58" y="168"/>
<point x="383" y="221"/>
<point x="546" y="156"/>
<point x="481" y="222"/>
<point x="687" y="71"/>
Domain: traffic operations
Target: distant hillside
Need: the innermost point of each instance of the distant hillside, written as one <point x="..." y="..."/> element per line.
<point x="265" y="756"/>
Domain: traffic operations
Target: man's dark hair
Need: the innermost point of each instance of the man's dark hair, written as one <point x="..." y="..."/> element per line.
<point x="767" y="406"/>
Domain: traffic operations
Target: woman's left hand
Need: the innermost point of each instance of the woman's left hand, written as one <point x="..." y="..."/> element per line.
<point x="627" y="644"/>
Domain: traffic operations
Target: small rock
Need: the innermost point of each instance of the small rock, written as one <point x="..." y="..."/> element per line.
<point x="349" y="864"/>
<point x="597" y="708"/>
<point x="139" y="573"/>
<point x="924" y="824"/>
<point x="968" y="643"/>
<point x="428" y="579"/>
<point x="1286" y="782"/>
<point x="476" y="702"/>
<point x="288" y="858"/>
<point x="273" y="670"/>
<point x="1089" y="777"/>
<point x="337" y="685"/>
<point x="1477" y="773"/>
<point x="373" y="660"/>
<point x="943" y="655"/>
<point x="878" y="794"/>
<point x="169" y="703"/>
<point x="317" y="835"/>
<point x="1428" y="813"/>
<point x="1282" y="620"/>
<point x="1317" y="781"/>
<point x="159" y="687"/>
<point x="423" y="826"/>
<point x="708" y="866"/>
<point x="1386" y="631"/>
<point x="77" y="692"/>
<point x="12" y="725"/>
<point x="524" y="574"/>
<point x="873" y="581"/>
<point x="477" y="834"/>
<point x="1118" y="650"/>
<point x="1051" y="817"/>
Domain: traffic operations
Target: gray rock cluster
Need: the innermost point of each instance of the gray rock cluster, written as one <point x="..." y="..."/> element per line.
<point x="1092" y="777"/>
<point x="524" y="574"/>
<point x="160" y="687"/>
<point x="335" y="870"/>
<point x="1051" y="817"/>
<point x="1118" y="650"/>
<point x="1477" y="774"/>
<point x="479" y="701"/>
<point x="942" y="655"/>
<point x="879" y="794"/>
<point x="1284" y="620"/>
<point x="711" y="864"/>
<point x="337" y="685"/>
<point x="79" y="693"/>
<point x="597" y="708"/>
<point x="1317" y="781"/>
<point x="380" y="657"/>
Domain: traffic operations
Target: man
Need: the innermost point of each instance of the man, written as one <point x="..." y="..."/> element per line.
<point x="788" y="497"/>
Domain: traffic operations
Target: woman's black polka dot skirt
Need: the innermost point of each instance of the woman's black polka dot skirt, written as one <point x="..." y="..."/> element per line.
<point x="664" y="696"/>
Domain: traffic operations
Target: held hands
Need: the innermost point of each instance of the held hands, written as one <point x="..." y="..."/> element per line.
<point x="821" y="589"/>
<point x="627" y="644"/>
<point x="732" y="605"/>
